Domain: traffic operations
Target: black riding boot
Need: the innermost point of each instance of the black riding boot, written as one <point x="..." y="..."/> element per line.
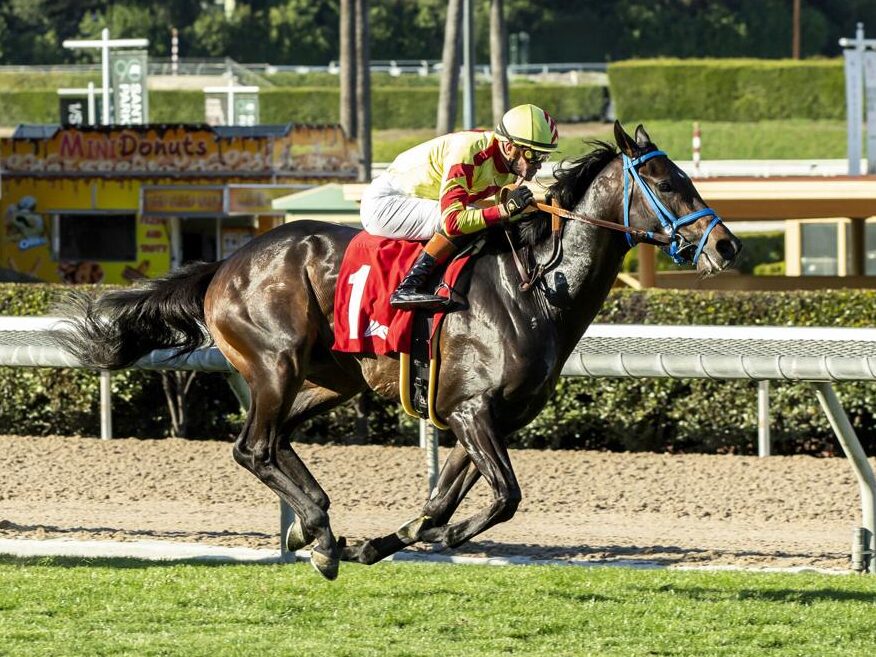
<point x="411" y="293"/>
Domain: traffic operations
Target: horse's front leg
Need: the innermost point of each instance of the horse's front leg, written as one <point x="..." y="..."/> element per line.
<point x="457" y="476"/>
<point x="481" y="451"/>
<point x="474" y="427"/>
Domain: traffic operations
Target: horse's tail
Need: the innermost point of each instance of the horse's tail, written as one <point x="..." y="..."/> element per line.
<point x="115" y="329"/>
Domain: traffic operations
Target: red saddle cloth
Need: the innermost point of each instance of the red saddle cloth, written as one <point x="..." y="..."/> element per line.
<point x="372" y="268"/>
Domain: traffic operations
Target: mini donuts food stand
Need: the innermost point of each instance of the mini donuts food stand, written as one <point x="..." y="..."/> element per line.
<point x="114" y="204"/>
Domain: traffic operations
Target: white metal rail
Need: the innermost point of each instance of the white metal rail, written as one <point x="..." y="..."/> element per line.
<point x="818" y="356"/>
<point x="812" y="355"/>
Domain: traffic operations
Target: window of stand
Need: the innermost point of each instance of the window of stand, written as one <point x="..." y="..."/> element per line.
<point x="870" y="247"/>
<point x="819" y="252"/>
<point x="104" y="237"/>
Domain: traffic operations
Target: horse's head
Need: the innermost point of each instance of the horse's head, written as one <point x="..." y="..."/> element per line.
<point x="660" y="198"/>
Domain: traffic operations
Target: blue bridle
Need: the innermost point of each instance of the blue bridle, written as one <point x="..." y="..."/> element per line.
<point x="678" y="244"/>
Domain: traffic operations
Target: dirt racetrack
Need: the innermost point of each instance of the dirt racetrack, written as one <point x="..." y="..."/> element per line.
<point x="674" y="509"/>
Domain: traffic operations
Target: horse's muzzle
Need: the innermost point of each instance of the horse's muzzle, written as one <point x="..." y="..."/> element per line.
<point x="721" y="253"/>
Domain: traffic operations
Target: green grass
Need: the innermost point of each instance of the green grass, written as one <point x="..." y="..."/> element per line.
<point x="799" y="139"/>
<point x="72" y="607"/>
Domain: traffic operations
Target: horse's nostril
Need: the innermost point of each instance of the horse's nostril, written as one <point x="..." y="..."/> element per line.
<point x="726" y="249"/>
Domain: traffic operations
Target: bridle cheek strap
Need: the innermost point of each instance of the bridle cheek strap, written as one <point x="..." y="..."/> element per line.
<point x="671" y="224"/>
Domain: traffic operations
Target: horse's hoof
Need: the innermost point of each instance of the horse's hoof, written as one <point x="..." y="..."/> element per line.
<point x="410" y="532"/>
<point x="368" y="554"/>
<point x="349" y="552"/>
<point x="296" y="536"/>
<point x="433" y="534"/>
<point x="326" y="565"/>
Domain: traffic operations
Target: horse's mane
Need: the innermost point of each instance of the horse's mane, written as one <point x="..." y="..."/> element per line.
<point x="573" y="177"/>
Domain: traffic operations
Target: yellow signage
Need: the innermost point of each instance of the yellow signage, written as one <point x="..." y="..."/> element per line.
<point x="256" y="199"/>
<point x="176" y="201"/>
<point x="198" y="151"/>
<point x="34" y="209"/>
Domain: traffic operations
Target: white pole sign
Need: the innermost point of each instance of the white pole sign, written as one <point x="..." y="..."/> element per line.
<point x="105" y="43"/>
<point x="232" y="105"/>
<point x="130" y="100"/>
<point x="870" y="93"/>
<point x="854" y="108"/>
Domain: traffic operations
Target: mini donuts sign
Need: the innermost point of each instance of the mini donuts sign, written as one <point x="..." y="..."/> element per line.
<point x="169" y="151"/>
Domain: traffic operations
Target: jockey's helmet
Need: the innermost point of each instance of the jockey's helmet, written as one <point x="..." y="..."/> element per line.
<point x="530" y="127"/>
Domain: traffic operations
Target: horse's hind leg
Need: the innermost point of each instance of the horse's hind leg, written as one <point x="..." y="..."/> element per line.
<point x="263" y="447"/>
<point x="458" y="475"/>
<point x="311" y="401"/>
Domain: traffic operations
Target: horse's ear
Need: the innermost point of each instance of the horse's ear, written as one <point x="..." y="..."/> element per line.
<point x="643" y="139"/>
<point x="624" y="141"/>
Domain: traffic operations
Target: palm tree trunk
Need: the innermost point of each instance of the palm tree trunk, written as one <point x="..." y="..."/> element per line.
<point x="348" y="69"/>
<point x="498" y="59"/>
<point x="449" y="95"/>
<point x="363" y="89"/>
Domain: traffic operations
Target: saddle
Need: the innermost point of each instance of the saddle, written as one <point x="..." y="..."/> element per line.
<point x="365" y="323"/>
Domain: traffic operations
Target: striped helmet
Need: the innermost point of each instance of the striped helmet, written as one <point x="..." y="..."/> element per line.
<point x="528" y="125"/>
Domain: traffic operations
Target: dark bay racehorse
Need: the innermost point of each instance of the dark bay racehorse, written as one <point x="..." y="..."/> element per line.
<point x="269" y="308"/>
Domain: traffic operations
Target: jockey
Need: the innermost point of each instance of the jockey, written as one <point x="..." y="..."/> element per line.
<point x="427" y="193"/>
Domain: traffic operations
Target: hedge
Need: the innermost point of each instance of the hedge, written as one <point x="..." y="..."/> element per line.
<point x="727" y="89"/>
<point x="617" y="414"/>
<point x="701" y="415"/>
<point x="45" y="401"/>
<point x="392" y="107"/>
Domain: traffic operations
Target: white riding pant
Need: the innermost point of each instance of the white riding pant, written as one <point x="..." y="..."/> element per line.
<point x="387" y="211"/>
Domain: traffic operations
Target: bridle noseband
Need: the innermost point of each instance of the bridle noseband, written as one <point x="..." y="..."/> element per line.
<point x="678" y="243"/>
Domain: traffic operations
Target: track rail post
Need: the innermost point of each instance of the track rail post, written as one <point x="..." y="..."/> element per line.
<point x="764" y="446"/>
<point x="106" y="405"/>
<point x="429" y="443"/>
<point x="862" y="548"/>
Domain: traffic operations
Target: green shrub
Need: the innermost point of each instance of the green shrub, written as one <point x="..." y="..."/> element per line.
<point x="29" y="107"/>
<point x="392" y="107"/>
<point x="770" y="269"/>
<point x="47" y="81"/>
<point x="761" y="249"/>
<point x="416" y="107"/>
<point x="701" y="415"/>
<point x="727" y="89"/>
<point x="43" y="401"/>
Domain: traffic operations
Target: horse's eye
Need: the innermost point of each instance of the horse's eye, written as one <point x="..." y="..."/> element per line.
<point x="664" y="186"/>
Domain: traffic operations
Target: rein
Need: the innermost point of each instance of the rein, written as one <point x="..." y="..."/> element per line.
<point x="558" y="215"/>
<point x="645" y="236"/>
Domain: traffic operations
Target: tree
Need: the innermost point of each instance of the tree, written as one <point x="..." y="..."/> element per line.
<point x="348" y="68"/>
<point x="449" y="92"/>
<point x="129" y="21"/>
<point x="210" y="34"/>
<point x="301" y="32"/>
<point x="498" y="60"/>
<point x="402" y="29"/>
<point x="363" y="89"/>
<point x="176" y="387"/>
<point x="30" y="35"/>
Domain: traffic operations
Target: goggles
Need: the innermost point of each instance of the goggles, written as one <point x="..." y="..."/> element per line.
<point x="536" y="157"/>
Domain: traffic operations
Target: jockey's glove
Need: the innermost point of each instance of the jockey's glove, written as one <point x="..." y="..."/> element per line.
<point x="517" y="201"/>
